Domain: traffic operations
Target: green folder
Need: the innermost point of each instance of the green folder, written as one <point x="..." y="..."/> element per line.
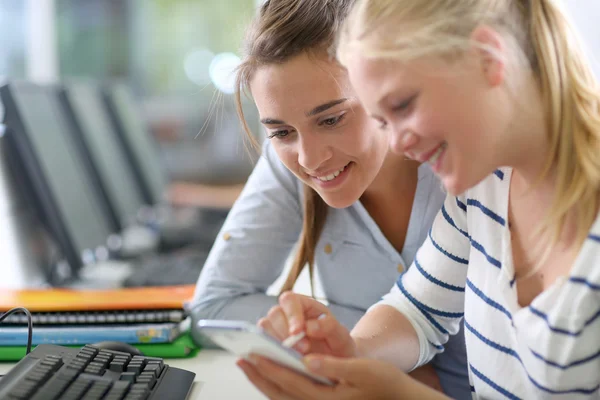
<point x="181" y="347"/>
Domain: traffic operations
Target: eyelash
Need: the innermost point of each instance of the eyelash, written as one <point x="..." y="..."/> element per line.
<point x="398" y="109"/>
<point x="404" y="105"/>
<point x="284" y="132"/>
<point x="279" y="134"/>
<point x="336" y="120"/>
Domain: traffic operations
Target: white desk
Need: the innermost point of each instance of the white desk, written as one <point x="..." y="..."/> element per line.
<point x="217" y="376"/>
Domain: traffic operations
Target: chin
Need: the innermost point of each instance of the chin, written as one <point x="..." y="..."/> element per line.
<point x="457" y="184"/>
<point x="338" y="200"/>
<point x="454" y="189"/>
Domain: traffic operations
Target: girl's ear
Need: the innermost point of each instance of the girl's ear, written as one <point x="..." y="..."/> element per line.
<point x="490" y="50"/>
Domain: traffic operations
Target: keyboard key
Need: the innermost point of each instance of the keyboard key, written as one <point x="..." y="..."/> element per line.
<point x="159" y="367"/>
<point x="116" y="366"/>
<point x="94" y="371"/>
<point x="121" y="385"/>
<point x="118" y="353"/>
<point x="105" y="353"/>
<point x="138" y="391"/>
<point x="148" y="359"/>
<point x="52" y="362"/>
<point x="147" y="378"/>
<point x="67" y="374"/>
<point x="96" y="364"/>
<point x="136" y="397"/>
<point x="23" y="390"/>
<point x="76" y="366"/>
<point x="88" y="352"/>
<point x="118" y="390"/>
<point x="38" y="377"/>
<point x="154" y="369"/>
<point x="136" y="368"/>
<point x="128" y="376"/>
<point x="77" y="389"/>
<point x="101" y="360"/>
<point x="53" y="388"/>
<point x="86" y="357"/>
<point x="97" y="391"/>
<point x="90" y="348"/>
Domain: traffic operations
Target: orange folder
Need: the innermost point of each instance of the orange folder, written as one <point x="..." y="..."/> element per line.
<point x="57" y="300"/>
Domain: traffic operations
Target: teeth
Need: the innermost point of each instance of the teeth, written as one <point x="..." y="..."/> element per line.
<point x="331" y="177"/>
<point x="437" y="154"/>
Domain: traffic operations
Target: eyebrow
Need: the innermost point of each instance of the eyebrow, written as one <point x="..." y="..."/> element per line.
<point x="325" y="107"/>
<point x="314" y="111"/>
<point x="271" y="121"/>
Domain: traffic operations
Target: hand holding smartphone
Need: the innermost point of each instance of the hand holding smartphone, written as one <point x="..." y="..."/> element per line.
<point x="242" y="339"/>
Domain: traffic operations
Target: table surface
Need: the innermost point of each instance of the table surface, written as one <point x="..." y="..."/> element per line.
<point x="217" y="376"/>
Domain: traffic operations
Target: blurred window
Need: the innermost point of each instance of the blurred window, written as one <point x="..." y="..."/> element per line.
<point x="12" y="38"/>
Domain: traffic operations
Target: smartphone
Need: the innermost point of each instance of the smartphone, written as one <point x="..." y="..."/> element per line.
<point x="242" y="339"/>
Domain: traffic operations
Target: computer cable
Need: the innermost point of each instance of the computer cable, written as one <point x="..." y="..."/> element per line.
<point x="29" y="323"/>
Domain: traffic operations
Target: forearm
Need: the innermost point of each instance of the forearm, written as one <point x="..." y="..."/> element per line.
<point x="385" y="334"/>
<point x="427" y="375"/>
<point x="410" y="388"/>
<point x="248" y="308"/>
<point x="349" y="317"/>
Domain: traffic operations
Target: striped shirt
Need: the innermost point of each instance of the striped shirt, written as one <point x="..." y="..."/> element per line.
<point x="549" y="349"/>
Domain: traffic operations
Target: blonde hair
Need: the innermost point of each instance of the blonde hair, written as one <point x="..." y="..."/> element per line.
<point x="284" y="29"/>
<point x="408" y="29"/>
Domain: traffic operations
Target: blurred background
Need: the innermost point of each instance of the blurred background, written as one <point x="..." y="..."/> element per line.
<point x="176" y="55"/>
<point x="176" y="58"/>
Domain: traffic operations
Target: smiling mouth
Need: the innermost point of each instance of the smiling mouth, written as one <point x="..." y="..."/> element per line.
<point x="332" y="176"/>
<point x="434" y="157"/>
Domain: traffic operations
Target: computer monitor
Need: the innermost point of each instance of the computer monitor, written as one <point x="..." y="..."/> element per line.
<point x="66" y="196"/>
<point x="98" y="141"/>
<point x="142" y="150"/>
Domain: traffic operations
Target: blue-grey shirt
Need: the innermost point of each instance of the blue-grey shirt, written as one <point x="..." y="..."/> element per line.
<point x="355" y="262"/>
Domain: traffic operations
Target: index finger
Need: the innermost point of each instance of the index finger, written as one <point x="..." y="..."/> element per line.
<point x="299" y="308"/>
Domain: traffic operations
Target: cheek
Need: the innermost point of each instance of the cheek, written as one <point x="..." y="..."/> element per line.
<point x="455" y="122"/>
<point x="287" y="154"/>
<point x="428" y="124"/>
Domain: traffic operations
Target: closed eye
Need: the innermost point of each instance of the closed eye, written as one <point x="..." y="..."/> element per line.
<point x="332" y="121"/>
<point x="403" y="106"/>
<point x="280" y="134"/>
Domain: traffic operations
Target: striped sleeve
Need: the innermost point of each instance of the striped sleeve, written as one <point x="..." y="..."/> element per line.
<point x="431" y="293"/>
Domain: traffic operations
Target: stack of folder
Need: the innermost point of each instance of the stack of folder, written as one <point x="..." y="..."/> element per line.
<point x="152" y="319"/>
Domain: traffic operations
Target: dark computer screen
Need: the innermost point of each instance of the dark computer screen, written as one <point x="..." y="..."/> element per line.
<point x="34" y="116"/>
<point x="137" y="140"/>
<point x="83" y="101"/>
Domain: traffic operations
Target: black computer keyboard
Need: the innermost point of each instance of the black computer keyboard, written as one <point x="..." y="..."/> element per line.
<point x="55" y="372"/>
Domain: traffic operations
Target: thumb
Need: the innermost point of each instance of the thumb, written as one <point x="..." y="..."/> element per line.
<point x="351" y="370"/>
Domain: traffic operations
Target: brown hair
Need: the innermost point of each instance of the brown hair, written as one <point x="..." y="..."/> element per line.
<point x="282" y="30"/>
<point x="544" y="39"/>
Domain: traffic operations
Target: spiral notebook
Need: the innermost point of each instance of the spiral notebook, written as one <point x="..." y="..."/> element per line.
<point x="89" y="307"/>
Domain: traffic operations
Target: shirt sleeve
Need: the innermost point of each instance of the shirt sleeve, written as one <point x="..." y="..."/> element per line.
<point x="431" y="293"/>
<point x="252" y="247"/>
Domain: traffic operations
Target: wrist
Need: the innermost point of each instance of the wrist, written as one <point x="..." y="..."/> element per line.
<point x="360" y="347"/>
